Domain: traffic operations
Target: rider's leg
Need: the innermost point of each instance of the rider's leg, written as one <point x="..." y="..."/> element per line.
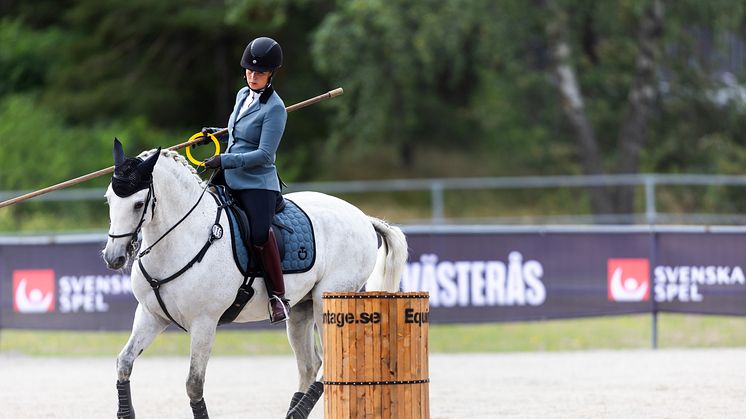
<point x="259" y="205"/>
<point x="279" y="309"/>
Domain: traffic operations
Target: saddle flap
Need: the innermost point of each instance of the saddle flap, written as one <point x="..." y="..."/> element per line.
<point x="293" y="231"/>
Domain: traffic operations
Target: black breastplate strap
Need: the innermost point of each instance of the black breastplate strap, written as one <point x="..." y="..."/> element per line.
<point x="216" y="232"/>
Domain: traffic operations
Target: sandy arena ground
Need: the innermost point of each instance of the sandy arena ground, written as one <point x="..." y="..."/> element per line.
<point x="597" y="384"/>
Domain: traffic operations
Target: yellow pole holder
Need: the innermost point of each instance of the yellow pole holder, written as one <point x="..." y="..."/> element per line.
<point x="194" y="137"/>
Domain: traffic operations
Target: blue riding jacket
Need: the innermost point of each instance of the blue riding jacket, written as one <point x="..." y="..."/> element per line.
<point x="253" y="138"/>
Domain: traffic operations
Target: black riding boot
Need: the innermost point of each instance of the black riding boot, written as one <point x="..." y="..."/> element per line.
<point x="269" y="255"/>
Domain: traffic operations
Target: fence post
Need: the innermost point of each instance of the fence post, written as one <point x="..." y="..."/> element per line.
<point x="653" y="303"/>
<point x="436" y="201"/>
<point x="650" y="212"/>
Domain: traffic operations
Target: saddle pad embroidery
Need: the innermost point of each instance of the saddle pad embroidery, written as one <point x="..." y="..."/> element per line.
<point x="299" y="243"/>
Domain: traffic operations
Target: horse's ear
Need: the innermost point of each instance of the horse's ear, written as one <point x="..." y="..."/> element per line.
<point x="118" y="152"/>
<point x="146" y="167"/>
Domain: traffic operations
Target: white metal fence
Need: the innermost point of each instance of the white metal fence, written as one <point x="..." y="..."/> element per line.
<point x="439" y="187"/>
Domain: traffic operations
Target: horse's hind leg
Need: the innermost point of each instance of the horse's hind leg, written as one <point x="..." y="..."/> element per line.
<point x="302" y="340"/>
<point x="202" y="335"/>
<point x="145" y="328"/>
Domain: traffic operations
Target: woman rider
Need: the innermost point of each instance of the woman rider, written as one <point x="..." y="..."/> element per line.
<point x="255" y="128"/>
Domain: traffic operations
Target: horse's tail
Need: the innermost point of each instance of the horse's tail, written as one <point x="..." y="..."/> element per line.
<point x="392" y="255"/>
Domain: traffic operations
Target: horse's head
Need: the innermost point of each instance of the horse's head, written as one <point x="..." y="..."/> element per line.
<point x="131" y="204"/>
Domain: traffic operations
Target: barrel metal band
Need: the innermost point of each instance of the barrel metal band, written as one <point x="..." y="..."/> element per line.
<point x="375" y="296"/>
<point x="373" y="383"/>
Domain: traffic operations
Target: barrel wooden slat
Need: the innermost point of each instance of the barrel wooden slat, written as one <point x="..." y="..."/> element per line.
<point x="350" y="343"/>
<point x="377" y="340"/>
<point x="401" y="360"/>
<point x="385" y="357"/>
<point x="375" y="361"/>
<point x="421" y="357"/>
<point x="347" y="334"/>
<point x="327" y="346"/>
<point x="359" y="361"/>
<point x="342" y="346"/>
<point x="394" y="356"/>
<point x="425" y="363"/>
<point x="369" y="361"/>
<point x="414" y="365"/>
<point x="336" y="366"/>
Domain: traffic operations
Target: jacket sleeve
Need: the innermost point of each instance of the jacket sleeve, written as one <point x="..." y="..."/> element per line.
<point x="273" y="127"/>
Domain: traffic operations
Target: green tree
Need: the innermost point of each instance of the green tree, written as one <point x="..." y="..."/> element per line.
<point x="408" y="68"/>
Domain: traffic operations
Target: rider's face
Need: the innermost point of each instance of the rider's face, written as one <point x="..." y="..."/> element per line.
<point x="257" y="79"/>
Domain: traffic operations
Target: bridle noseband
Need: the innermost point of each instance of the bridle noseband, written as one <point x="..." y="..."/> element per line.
<point x="131" y="246"/>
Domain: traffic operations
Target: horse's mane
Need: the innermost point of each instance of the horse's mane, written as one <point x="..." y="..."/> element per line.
<point x="173" y="155"/>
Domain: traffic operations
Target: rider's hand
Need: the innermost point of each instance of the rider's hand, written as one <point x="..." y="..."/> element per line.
<point x="213" y="162"/>
<point x="205" y="134"/>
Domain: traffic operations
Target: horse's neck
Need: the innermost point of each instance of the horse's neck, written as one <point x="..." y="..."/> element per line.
<point x="176" y="195"/>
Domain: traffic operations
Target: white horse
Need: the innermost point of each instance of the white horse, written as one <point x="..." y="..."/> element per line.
<point x="347" y="257"/>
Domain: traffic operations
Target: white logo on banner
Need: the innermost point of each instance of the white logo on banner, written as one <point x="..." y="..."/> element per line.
<point x="681" y="283"/>
<point x="33" y="291"/>
<point x="34" y="300"/>
<point x="631" y="289"/>
<point x="477" y="283"/>
<point x="86" y="293"/>
<point x="629" y="279"/>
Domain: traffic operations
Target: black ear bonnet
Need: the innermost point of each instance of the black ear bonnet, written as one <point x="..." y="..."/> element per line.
<point x="131" y="174"/>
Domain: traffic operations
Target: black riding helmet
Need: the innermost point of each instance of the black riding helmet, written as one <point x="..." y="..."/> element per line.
<point x="262" y="54"/>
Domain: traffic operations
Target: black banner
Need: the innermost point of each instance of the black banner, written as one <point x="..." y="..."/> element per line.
<point x="473" y="274"/>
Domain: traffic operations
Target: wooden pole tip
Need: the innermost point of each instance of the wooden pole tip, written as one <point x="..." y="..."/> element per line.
<point x="336" y="92"/>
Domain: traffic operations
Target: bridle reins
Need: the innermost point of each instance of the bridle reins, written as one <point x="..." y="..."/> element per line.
<point x="216" y="232"/>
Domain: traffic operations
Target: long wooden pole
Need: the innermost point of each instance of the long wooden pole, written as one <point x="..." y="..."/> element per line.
<point x="308" y="102"/>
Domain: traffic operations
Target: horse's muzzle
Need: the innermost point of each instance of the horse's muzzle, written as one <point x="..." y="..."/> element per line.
<point x="114" y="256"/>
<point x="117" y="263"/>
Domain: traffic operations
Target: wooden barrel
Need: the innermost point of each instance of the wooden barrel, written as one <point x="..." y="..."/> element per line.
<point x="375" y="355"/>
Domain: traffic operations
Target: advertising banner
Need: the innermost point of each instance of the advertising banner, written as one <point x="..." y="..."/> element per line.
<point x="487" y="277"/>
<point x="473" y="274"/>
<point x="62" y="286"/>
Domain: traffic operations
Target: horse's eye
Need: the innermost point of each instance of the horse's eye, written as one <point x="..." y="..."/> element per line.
<point x="139" y="205"/>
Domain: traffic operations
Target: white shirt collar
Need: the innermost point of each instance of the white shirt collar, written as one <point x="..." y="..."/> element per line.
<point x="250" y="98"/>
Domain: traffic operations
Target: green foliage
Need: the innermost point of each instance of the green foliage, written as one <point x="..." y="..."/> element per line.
<point x="44" y="149"/>
<point x="428" y="85"/>
<point x="27" y="56"/>
<point x="408" y="79"/>
<point x="41" y="150"/>
<point x="41" y="146"/>
<point x="141" y="58"/>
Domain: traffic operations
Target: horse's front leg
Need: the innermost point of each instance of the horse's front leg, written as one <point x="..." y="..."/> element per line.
<point x="202" y="334"/>
<point x="145" y="328"/>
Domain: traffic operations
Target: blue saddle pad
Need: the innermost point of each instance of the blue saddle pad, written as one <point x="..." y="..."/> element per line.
<point x="297" y="242"/>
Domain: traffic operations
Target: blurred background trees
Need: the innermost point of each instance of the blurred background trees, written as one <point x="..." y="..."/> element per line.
<point x="432" y="88"/>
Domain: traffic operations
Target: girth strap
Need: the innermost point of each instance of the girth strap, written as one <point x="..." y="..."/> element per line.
<point x="215" y="233"/>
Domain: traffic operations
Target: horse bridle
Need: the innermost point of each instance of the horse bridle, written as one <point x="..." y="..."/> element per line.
<point x="131" y="246"/>
<point x="216" y="232"/>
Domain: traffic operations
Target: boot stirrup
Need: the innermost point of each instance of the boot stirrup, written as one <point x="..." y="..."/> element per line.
<point x="285" y="308"/>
